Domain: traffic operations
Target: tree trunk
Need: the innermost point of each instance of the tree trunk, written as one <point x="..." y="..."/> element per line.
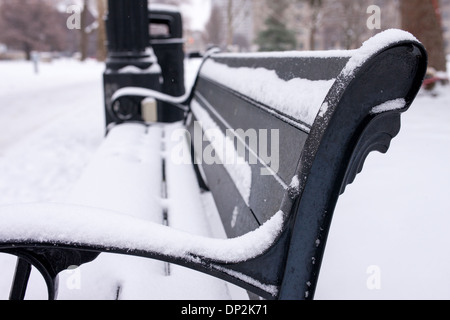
<point x="84" y="35"/>
<point x="315" y="7"/>
<point x="312" y="38"/>
<point x="27" y="48"/>
<point x="101" y="32"/>
<point x="230" y="22"/>
<point x="422" y="19"/>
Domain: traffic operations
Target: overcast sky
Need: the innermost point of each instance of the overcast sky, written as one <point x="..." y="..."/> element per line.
<point x="198" y="12"/>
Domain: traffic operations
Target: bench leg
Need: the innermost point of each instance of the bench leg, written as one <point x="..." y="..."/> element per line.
<point x="48" y="261"/>
<point x="20" y="281"/>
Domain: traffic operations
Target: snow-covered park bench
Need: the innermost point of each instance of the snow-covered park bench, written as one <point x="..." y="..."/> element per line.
<point x="273" y="137"/>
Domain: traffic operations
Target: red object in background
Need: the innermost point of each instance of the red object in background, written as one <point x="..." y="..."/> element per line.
<point x="432" y="78"/>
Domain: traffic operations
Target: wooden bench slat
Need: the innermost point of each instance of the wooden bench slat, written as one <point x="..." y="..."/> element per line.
<point x="315" y="65"/>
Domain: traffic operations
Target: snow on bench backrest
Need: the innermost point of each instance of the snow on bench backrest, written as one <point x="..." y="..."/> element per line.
<point x="256" y="111"/>
<point x="293" y="84"/>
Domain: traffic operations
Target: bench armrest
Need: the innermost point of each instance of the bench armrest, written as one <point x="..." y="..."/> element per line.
<point x="181" y="102"/>
<point x="74" y="229"/>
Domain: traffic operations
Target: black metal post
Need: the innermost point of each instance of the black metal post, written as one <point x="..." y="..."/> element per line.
<point x="131" y="61"/>
<point x="128" y="34"/>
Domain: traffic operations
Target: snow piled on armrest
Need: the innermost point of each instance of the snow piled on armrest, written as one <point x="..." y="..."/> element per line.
<point x="149" y="93"/>
<point x="84" y="226"/>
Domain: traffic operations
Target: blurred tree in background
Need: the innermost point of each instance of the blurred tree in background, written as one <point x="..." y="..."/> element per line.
<point x="313" y="24"/>
<point x="422" y="18"/>
<point x="276" y="36"/>
<point x="84" y="31"/>
<point x="213" y="31"/>
<point x="27" y="25"/>
<point x="102" y="51"/>
<point x="31" y="25"/>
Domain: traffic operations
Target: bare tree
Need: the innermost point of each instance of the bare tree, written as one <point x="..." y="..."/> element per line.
<point x="101" y="31"/>
<point x="31" y="25"/>
<point x="316" y="7"/>
<point x="171" y="2"/>
<point x="313" y="21"/>
<point x="345" y="23"/>
<point x="353" y="22"/>
<point x="83" y="31"/>
<point x="92" y="33"/>
<point x="230" y="22"/>
<point x="276" y="36"/>
<point x="227" y="23"/>
<point x="422" y="18"/>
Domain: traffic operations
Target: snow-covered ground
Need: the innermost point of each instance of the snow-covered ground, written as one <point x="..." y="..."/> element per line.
<point x="393" y="222"/>
<point x="389" y="236"/>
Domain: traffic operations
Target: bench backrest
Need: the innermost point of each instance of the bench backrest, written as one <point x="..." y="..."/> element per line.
<point x="288" y="131"/>
<point x="264" y="108"/>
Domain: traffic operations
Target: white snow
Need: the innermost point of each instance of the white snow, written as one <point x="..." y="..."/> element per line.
<point x="295" y="183"/>
<point x="290" y="54"/>
<point x="323" y="109"/>
<point x="154" y="68"/>
<point x="298" y="98"/>
<point x="85" y="225"/>
<point x="125" y="161"/>
<point x="135" y="91"/>
<point x="394" y="217"/>
<point x="396" y="104"/>
<point x="190" y="78"/>
<point x="164" y="7"/>
<point x="375" y="44"/>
